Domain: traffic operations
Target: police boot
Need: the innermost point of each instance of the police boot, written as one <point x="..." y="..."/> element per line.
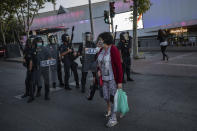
<point x="77" y="85"/>
<point x="61" y="83"/>
<point x="38" y="94"/>
<point x="54" y="85"/>
<point x="47" y="92"/>
<point x="25" y="95"/>
<point x="67" y="87"/>
<point x="30" y="99"/>
<point x="83" y="89"/>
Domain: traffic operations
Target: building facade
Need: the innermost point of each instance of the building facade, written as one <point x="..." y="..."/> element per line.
<point x="178" y="17"/>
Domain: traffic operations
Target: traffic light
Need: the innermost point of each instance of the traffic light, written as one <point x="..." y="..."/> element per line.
<point x="106" y="16"/>
<point x="112" y="9"/>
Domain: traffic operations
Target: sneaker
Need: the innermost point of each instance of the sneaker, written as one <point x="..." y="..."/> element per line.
<point x="130" y="79"/>
<point x="89" y="98"/>
<point x="108" y="114"/>
<point x="111" y="123"/>
<point x="121" y="115"/>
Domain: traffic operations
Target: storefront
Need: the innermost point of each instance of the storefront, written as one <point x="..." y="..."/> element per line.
<point x="183" y="36"/>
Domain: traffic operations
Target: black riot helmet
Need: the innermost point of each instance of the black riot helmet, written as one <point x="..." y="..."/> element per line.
<point x="37" y="42"/>
<point x="65" y="38"/>
<point x="88" y="37"/>
<point x="29" y="41"/>
<point x="52" y="39"/>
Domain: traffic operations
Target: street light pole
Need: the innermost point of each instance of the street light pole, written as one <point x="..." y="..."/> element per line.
<point x="91" y="19"/>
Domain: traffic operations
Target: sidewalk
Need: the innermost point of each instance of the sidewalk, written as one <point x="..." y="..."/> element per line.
<point x="179" y="64"/>
<point x="17" y="59"/>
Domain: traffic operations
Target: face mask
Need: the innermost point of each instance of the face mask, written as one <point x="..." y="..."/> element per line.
<point x="98" y="49"/>
<point x="126" y="37"/>
<point x="39" y="44"/>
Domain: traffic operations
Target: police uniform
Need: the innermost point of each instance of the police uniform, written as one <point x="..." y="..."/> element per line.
<point x="74" y="66"/>
<point x="88" y="61"/>
<point x="30" y="89"/>
<point x="42" y="68"/>
<point x="125" y="46"/>
<point x="67" y="64"/>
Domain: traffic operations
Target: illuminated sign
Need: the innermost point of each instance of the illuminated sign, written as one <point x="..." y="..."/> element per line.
<point x="124" y="22"/>
<point x="177" y="31"/>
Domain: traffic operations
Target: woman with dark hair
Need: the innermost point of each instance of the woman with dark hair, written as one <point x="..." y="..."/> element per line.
<point x="162" y="37"/>
<point x="110" y="70"/>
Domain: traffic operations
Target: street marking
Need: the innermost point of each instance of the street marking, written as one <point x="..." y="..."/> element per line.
<point x="55" y="89"/>
<point x="181" y="56"/>
<point x="185" y="65"/>
<point x="19" y="96"/>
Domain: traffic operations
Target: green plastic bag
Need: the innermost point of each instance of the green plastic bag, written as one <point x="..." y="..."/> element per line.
<point x="120" y="102"/>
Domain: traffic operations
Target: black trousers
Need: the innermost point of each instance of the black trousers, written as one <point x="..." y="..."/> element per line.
<point x="59" y="70"/>
<point x="74" y="67"/>
<point x="126" y="67"/>
<point x="66" y="75"/>
<point x="163" y="50"/>
<point x="30" y="88"/>
<point x="83" y="79"/>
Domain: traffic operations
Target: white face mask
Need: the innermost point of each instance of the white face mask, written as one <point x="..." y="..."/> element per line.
<point x="39" y="44"/>
<point x="98" y="49"/>
<point x="126" y="36"/>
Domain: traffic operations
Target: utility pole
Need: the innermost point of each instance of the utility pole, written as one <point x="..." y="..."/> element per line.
<point x="135" y="39"/>
<point x="91" y="19"/>
<point x="112" y="25"/>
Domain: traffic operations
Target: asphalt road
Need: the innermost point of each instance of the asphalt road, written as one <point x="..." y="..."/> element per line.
<point x="157" y="103"/>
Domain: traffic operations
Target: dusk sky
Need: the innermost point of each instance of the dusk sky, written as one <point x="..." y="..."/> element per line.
<point x="66" y="4"/>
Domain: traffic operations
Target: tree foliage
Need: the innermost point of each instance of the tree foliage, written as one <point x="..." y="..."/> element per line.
<point x="17" y="16"/>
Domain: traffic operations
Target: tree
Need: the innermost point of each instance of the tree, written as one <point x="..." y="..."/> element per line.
<point x="138" y="7"/>
<point x="6" y="13"/>
<point x="26" y="10"/>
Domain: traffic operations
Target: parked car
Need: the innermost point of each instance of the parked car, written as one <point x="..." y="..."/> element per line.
<point x="2" y="51"/>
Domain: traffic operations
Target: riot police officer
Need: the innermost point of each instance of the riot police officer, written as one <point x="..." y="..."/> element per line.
<point x="124" y="47"/>
<point x="68" y="54"/>
<point x="52" y="46"/>
<point x="28" y="63"/>
<point x="88" y="52"/>
<point x="59" y="67"/>
<point x="65" y="55"/>
<point x="42" y="66"/>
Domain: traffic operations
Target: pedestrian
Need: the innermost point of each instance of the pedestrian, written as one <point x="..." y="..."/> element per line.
<point x="88" y="52"/>
<point x="162" y="37"/>
<point x="110" y="69"/>
<point x="42" y="67"/>
<point x="97" y="85"/>
<point x="124" y="47"/>
<point x="52" y="47"/>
